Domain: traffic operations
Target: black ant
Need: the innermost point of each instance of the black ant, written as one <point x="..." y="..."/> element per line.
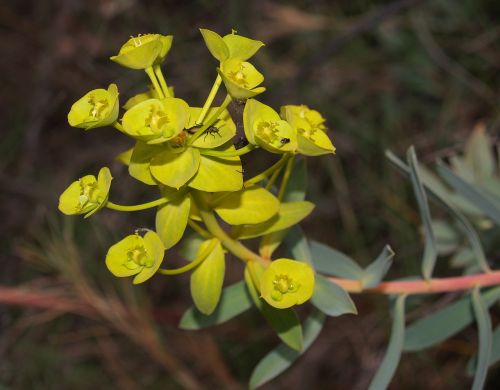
<point x="284" y="141"/>
<point x="211" y="130"/>
<point x="193" y="129"/>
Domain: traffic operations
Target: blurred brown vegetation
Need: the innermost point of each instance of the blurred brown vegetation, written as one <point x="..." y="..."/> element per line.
<point x="386" y="74"/>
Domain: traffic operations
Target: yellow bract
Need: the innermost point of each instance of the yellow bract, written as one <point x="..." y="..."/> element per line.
<point x="87" y="194"/>
<point x="97" y="108"/>
<point x="286" y="283"/>
<point x="136" y="255"/>
<point x="241" y="78"/>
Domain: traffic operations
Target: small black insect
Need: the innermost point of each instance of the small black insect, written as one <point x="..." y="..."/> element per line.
<point x="212" y="130"/>
<point x="240" y="143"/>
<point x="285" y="141"/>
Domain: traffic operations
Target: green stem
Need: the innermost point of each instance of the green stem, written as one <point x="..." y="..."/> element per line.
<point x="210" y="99"/>
<point x="136" y="207"/>
<point x="213" y="227"/>
<point x="211" y="120"/>
<point x="230" y="153"/>
<point x="269" y="171"/>
<point x="188" y="267"/>
<point x="161" y="79"/>
<point x="273" y="178"/>
<point x="286" y="178"/>
<point x="198" y="229"/>
<point x="151" y="73"/>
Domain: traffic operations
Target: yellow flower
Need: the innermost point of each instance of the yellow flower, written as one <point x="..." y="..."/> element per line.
<point x="136" y="255"/>
<point x="311" y="131"/>
<point x="144" y="51"/>
<point x="286" y="283"/>
<point x="241" y="78"/>
<point x="86" y="195"/>
<point x="98" y="108"/>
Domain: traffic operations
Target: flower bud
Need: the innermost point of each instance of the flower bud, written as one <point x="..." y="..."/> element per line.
<point x="98" y="108"/>
<point x="86" y="195"/>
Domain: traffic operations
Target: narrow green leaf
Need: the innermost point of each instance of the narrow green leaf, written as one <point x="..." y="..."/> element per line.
<point x="444" y="323"/>
<point x="479" y="154"/>
<point x="484" y="329"/>
<point x="282" y="357"/>
<point x="375" y="272"/>
<point x="286" y="324"/>
<point x="234" y="300"/>
<point x="484" y="201"/>
<point x="171" y="220"/>
<point x="331" y="262"/>
<point x="392" y="356"/>
<point x="331" y="299"/>
<point x="430" y="253"/>
<point x="207" y="278"/>
<point x="290" y="214"/>
<point x="495" y="353"/>
<point x="298" y="245"/>
<point x="464" y="224"/>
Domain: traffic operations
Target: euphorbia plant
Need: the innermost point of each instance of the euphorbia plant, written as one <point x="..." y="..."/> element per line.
<point x="193" y="158"/>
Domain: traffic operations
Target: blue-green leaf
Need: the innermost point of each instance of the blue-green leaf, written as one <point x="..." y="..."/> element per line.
<point x="484" y="329"/>
<point x="234" y="300"/>
<point x="282" y="357"/>
<point x="334" y="263"/>
<point x="296" y="188"/>
<point x="393" y="354"/>
<point x="495" y="352"/>
<point x="483" y="200"/>
<point x="430" y="253"/>
<point x="444" y="323"/>
<point x="375" y="272"/>
<point x="331" y="299"/>
<point x="464" y="224"/>
<point x="298" y="245"/>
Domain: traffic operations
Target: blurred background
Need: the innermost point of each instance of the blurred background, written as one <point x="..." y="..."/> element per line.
<point x="385" y="74"/>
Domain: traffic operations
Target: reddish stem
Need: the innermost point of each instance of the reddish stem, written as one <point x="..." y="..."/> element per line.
<point x="438" y="285"/>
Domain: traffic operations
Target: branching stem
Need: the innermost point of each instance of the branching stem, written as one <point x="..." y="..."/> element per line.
<point x="136" y="207"/>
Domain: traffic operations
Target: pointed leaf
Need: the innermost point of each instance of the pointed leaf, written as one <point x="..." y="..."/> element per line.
<point x="444" y="323"/>
<point x="282" y="357"/>
<point x="479" y="154"/>
<point x="332" y="299"/>
<point x="331" y="262"/>
<point x="484" y="328"/>
<point x="392" y="356"/>
<point x="215" y="44"/>
<point x="495" y="353"/>
<point x="234" y="300"/>
<point x="483" y="200"/>
<point x="430" y="253"/>
<point x="299" y="245"/>
<point x="375" y="272"/>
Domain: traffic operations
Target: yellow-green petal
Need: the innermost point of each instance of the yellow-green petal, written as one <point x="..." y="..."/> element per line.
<point x="241" y="78"/>
<point x="215" y="44"/>
<point x="140" y="52"/>
<point x="153" y="245"/>
<point x="140" y="162"/>
<point x="222" y="131"/>
<point x="241" y="47"/>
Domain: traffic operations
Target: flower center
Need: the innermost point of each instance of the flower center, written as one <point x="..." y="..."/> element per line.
<point x="267" y="131"/>
<point x="88" y="194"/>
<point x="239" y="77"/>
<point x="157" y="121"/>
<point x="98" y="106"/>
<point x="138" y="257"/>
<point x="307" y="133"/>
<point x="283" y="285"/>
